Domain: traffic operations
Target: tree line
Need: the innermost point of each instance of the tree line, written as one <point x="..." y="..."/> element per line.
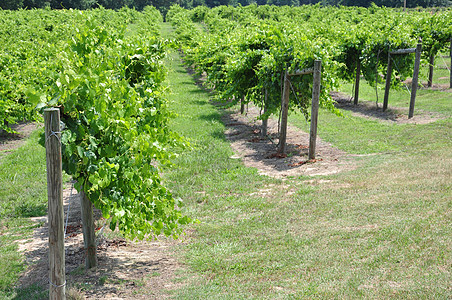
<point x="163" y="5"/>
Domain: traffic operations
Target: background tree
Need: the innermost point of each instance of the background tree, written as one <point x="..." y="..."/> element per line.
<point x="11" y="4"/>
<point x="35" y="3"/>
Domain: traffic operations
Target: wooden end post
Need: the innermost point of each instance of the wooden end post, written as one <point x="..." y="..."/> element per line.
<point x="57" y="280"/>
<point x="388" y="83"/>
<point x="417" y="63"/>
<point x="89" y="236"/>
<point x="358" y="74"/>
<point x="315" y="108"/>
<point x="284" y="114"/>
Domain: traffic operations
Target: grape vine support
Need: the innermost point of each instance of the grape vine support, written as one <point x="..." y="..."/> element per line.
<point x="265" y="121"/>
<point x="414" y="83"/>
<point x="89" y="236"/>
<point x="358" y="74"/>
<point x="450" y="77"/>
<point x="315" y="108"/>
<point x="431" y="64"/>
<point x="316" y="71"/>
<point x="57" y="273"/>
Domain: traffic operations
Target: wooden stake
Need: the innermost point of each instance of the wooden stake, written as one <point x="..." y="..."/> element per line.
<point x="242" y="105"/>
<point x="414" y="84"/>
<point x="450" y="77"/>
<point x="89" y="236"/>
<point x="388" y="83"/>
<point x="284" y="114"/>
<point x="265" y="121"/>
<point x="314" y="108"/>
<point x="57" y="289"/>
<point x="358" y="74"/>
<point x="430" y="70"/>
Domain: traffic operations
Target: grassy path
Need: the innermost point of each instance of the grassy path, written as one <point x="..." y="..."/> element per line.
<point x="23" y="194"/>
<point x="377" y="232"/>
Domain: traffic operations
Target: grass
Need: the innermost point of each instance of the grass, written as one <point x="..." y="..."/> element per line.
<point x="22" y="178"/>
<point x="23" y="194"/>
<point x="380" y="231"/>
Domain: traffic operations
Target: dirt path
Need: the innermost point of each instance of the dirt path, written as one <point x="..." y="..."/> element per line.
<point x="12" y="141"/>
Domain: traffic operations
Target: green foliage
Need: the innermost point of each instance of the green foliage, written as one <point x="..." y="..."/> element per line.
<point x="247" y="58"/>
<point x="117" y="127"/>
<point x="109" y="86"/>
<point x="246" y="50"/>
<point x="163" y="5"/>
<point x="435" y="31"/>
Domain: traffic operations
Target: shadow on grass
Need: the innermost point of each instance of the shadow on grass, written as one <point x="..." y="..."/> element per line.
<point x="365" y="108"/>
<point x="197" y="91"/>
<point x="28" y="210"/>
<point x="32" y="292"/>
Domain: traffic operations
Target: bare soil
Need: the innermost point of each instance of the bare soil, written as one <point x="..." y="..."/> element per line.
<point x="445" y="87"/>
<point x="244" y="133"/>
<point x="126" y="269"/>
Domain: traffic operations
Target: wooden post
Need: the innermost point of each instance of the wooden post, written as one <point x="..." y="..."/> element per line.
<point x="242" y="105"/>
<point x="430" y="70"/>
<point x="450" y="77"/>
<point x="417" y="63"/>
<point x="284" y="114"/>
<point x="388" y="83"/>
<point x="314" y="108"/>
<point x="57" y="280"/>
<point x="89" y="236"/>
<point x="358" y="74"/>
<point x="265" y="121"/>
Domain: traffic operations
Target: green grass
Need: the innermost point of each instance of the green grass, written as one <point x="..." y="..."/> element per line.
<point x="23" y="179"/>
<point x="357" y="135"/>
<point x="23" y="194"/>
<point x="379" y="231"/>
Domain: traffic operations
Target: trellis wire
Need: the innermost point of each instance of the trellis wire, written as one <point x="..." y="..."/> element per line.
<point x="397" y="67"/>
<point x="445" y="63"/>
